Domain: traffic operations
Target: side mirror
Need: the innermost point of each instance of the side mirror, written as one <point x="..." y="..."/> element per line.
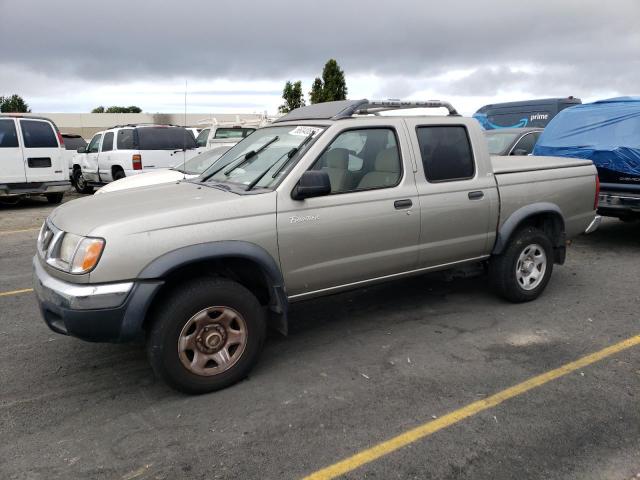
<point x="313" y="183"/>
<point x="520" y="151"/>
<point x="82" y="150"/>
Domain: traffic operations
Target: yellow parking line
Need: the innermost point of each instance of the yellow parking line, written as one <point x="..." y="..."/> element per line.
<point x="8" y="232"/>
<point x="16" y="292"/>
<point x="422" y="431"/>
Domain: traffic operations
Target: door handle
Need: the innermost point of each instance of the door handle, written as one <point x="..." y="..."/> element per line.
<point x="477" y="195"/>
<point x="401" y="204"/>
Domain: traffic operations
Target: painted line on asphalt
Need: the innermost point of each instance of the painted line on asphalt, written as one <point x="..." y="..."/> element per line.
<point x="9" y="232"/>
<point x="16" y="292"/>
<point x="426" y="429"/>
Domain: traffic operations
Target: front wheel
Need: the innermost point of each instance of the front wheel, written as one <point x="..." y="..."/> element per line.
<point x="207" y="335"/>
<point x="79" y="182"/>
<point x="522" y="271"/>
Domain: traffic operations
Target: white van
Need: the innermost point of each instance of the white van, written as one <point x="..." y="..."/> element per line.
<point x="127" y="150"/>
<point x="32" y="158"/>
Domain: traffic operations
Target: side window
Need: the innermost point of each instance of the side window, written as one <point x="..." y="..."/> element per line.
<point x="94" y="144"/>
<point x="446" y="153"/>
<point x="526" y="143"/>
<point x="362" y="159"/>
<point x="38" y="134"/>
<point x="107" y="143"/>
<point x="201" y="141"/>
<point x="126" y="139"/>
<point x="8" y="135"/>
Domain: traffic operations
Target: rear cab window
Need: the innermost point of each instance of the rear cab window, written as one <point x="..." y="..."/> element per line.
<point x="73" y="143"/>
<point x="8" y="134"/>
<point x="165" y="138"/>
<point x="38" y="134"/>
<point x="446" y="153"/>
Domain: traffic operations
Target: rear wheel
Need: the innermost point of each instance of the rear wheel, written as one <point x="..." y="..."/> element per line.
<point x="522" y="271"/>
<point x="207" y="335"/>
<point x="55" y="198"/>
<point x="118" y="174"/>
<point x="80" y="183"/>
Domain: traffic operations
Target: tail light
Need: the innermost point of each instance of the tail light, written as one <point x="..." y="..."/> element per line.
<point x="137" y="162"/>
<point x="60" y="139"/>
<point x="595" y="201"/>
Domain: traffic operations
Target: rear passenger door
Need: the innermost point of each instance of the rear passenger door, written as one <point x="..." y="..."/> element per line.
<point x="104" y="155"/>
<point x="12" y="168"/>
<point x="42" y="153"/>
<point x="90" y="163"/>
<point x="457" y="201"/>
<point x="366" y="228"/>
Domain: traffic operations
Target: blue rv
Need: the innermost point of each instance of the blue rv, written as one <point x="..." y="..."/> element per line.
<point x="528" y="113"/>
<point x="606" y="132"/>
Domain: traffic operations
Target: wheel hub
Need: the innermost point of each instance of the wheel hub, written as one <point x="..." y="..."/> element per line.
<point x="528" y="266"/>
<point x="211" y="338"/>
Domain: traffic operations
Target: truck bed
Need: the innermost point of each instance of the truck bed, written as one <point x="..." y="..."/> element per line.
<point x="567" y="183"/>
<point x="515" y="163"/>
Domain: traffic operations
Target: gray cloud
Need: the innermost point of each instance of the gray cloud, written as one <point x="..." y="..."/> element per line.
<point x="576" y="46"/>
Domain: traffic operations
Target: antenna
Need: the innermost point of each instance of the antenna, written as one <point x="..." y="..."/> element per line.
<point x="184" y="146"/>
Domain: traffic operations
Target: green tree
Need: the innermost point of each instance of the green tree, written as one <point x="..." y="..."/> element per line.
<point x="335" y="85"/>
<point x="293" y="97"/>
<point x="116" y="109"/>
<point x="316" y="95"/>
<point x="14" y="103"/>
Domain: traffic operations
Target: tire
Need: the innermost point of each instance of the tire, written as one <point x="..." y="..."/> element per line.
<point x="196" y="325"/>
<point x="79" y="182"/>
<point x="118" y="174"/>
<point x="55" y="198"/>
<point x="512" y="273"/>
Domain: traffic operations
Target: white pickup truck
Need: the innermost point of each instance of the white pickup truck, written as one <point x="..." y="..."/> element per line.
<point x="328" y="198"/>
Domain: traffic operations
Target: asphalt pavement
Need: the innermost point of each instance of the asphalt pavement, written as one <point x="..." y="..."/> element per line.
<point x="357" y="369"/>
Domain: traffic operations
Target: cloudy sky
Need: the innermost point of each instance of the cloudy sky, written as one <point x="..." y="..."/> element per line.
<point x="70" y="56"/>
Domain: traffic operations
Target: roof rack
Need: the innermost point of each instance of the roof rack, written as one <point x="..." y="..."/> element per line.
<point x="347" y="108"/>
<point x="145" y="124"/>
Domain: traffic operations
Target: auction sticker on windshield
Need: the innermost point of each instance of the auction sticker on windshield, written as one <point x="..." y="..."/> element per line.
<point x="304" y="131"/>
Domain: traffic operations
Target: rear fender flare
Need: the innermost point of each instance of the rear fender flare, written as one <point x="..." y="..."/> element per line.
<point x="516" y="218"/>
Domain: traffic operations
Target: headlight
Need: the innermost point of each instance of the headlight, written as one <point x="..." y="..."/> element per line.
<point x="73" y="253"/>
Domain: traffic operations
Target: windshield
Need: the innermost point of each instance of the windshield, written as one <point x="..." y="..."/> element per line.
<point x="273" y="147"/>
<point x="199" y="163"/>
<point x="499" y="142"/>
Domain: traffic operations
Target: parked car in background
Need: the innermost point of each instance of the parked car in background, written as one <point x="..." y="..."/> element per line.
<point x="228" y="132"/>
<point x="32" y="160"/>
<point x="512" y="141"/>
<point x="72" y="142"/>
<point x="128" y="150"/>
<point x="190" y="169"/>
<point x="608" y="133"/>
<point x="200" y="267"/>
<point x="527" y="113"/>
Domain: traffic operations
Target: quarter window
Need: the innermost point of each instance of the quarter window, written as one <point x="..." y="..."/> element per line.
<point x="8" y="136"/>
<point x="446" y="153"/>
<point x="362" y="160"/>
<point x="107" y="143"/>
<point x="38" y="134"/>
<point x="94" y="144"/>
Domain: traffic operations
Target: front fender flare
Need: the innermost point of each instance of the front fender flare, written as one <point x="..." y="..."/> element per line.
<point x="171" y="261"/>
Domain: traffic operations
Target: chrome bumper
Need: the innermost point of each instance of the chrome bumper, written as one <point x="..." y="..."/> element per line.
<point x="595" y="223"/>
<point x="76" y="296"/>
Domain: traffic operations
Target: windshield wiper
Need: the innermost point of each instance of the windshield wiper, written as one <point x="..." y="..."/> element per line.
<point x="291" y="153"/>
<point x="250" y="155"/>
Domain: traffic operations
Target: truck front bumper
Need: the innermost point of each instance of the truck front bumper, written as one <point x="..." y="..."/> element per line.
<point x="110" y="312"/>
<point x="33" y="188"/>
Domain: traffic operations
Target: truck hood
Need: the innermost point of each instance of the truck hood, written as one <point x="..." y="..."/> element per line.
<point x="144" y="180"/>
<point x="146" y="209"/>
